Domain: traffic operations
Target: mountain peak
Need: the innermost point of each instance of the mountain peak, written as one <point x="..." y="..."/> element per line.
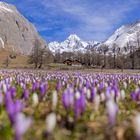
<point x="124" y="35"/>
<point x="4" y="7"/>
<point x="72" y="44"/>
<point x="3" y="3"/>
<point x="74" y="37"/>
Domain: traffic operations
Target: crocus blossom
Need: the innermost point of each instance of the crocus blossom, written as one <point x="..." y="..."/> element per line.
<point x="50" y="122"/>
<point x="112" y="110"/>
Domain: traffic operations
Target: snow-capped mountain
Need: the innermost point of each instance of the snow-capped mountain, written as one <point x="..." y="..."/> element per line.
<point x="124" y="37"/>
<point x="72" y="44"/>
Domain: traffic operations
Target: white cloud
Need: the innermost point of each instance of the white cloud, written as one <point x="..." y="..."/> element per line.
<point x="96" y="18"/>
<point x="90" y="19"/>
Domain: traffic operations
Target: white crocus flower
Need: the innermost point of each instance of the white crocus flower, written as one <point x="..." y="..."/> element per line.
<point x="54" y="99"/>
<point x="125" y="85"/>
<point x="85" y="90"/>
<point x="112" y="110"/>
<point x="112" y="94"/>
<point x="102" y="97"/>
<point x="4" y="88"/>
<point x="136" y="123"/>
<point x="106" y="84"/>
<point x="77" y="95"/>
<point x="88" y="94"/>
<point x="35" y="99"/>
<point x="97" y="102"/>
<point x="122" y="94"/>
<point x="50" y="122"/>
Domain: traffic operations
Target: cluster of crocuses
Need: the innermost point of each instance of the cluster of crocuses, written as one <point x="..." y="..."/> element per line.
<point x="75" y="89"/>
<point x="135" y="95"/>
<point x="19" y="122"/>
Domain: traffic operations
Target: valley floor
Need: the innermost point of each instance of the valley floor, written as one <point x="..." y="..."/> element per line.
<point x="69" y="105"/>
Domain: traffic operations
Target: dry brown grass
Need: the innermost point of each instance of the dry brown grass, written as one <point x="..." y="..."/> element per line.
<point x="19" y="62"/>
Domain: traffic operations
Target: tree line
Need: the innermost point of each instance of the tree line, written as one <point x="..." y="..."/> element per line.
<point x="115" y="57"/>
<point x="127" y="57"/>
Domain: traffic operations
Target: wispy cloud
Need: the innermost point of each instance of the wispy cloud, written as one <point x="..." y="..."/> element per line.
<point x="96" y="19"/>
<point x="90" y="19"/>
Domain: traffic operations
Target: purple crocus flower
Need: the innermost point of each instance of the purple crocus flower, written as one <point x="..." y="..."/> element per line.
<point x="18" y="106"/>
<point x="80" y="104"/>
<point x="87" y="84"/>
<point x="77" y="108"/>
<point x="21" y="125"/>
<point x="43" y="89"/>
<point x="108" y="93"/>
<point x="58" y="86"/>
<point x="67" y="99"/>
<point x="112" y="110"/>
<point x="25" y="94"/>
<point x="12" y="108"/>
<point x="13" y="91"/>
<point x="35" y="86"/>
<point x="135" y="95"/>
<point x="93" y="94"/>
<point x="101" y="87"/>
<point x="8" y="97"/>
<point x="83" y="101"/>
<point x="1" y="98"/>
<point x="116" y="91"/>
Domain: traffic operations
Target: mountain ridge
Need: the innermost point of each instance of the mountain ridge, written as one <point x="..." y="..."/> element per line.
<point x="16" y="32"/>
<point x="124" y="37"/>
<point x="72" y="44"/>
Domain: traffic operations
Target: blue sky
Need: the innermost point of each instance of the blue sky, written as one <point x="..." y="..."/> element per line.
<point x="55" y="20"/>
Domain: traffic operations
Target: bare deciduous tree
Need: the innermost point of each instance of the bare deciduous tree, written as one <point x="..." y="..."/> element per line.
<point x="104" y="50"/>
<point x="6" y="62"/>
<point x="39" y="55"/>
<point x="114" y="50"/>
<point x="132" y="53"/>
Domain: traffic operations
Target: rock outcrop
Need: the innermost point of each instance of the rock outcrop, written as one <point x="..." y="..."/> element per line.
<point x="17" y="34"/>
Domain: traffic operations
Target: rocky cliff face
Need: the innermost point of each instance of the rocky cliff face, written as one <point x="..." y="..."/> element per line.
<point x="16" y="33"/>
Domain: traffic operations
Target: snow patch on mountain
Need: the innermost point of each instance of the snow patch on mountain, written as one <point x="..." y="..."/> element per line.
<point x="1" y="42"/>
<point x="124" y="35"/>
<point x="4" y="7"/>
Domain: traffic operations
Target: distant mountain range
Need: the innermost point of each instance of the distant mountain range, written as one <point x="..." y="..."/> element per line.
<point x="17" y="34"/>
<point x="122" y="38"/>
<point x="72" y="44"/>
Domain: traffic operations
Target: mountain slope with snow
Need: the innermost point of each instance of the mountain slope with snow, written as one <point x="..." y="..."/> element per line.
<point x="72" y="44"/>
<point x="124" y="37"/>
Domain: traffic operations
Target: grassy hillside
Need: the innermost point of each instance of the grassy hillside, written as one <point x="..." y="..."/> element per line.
<point x="19" y="61"/>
